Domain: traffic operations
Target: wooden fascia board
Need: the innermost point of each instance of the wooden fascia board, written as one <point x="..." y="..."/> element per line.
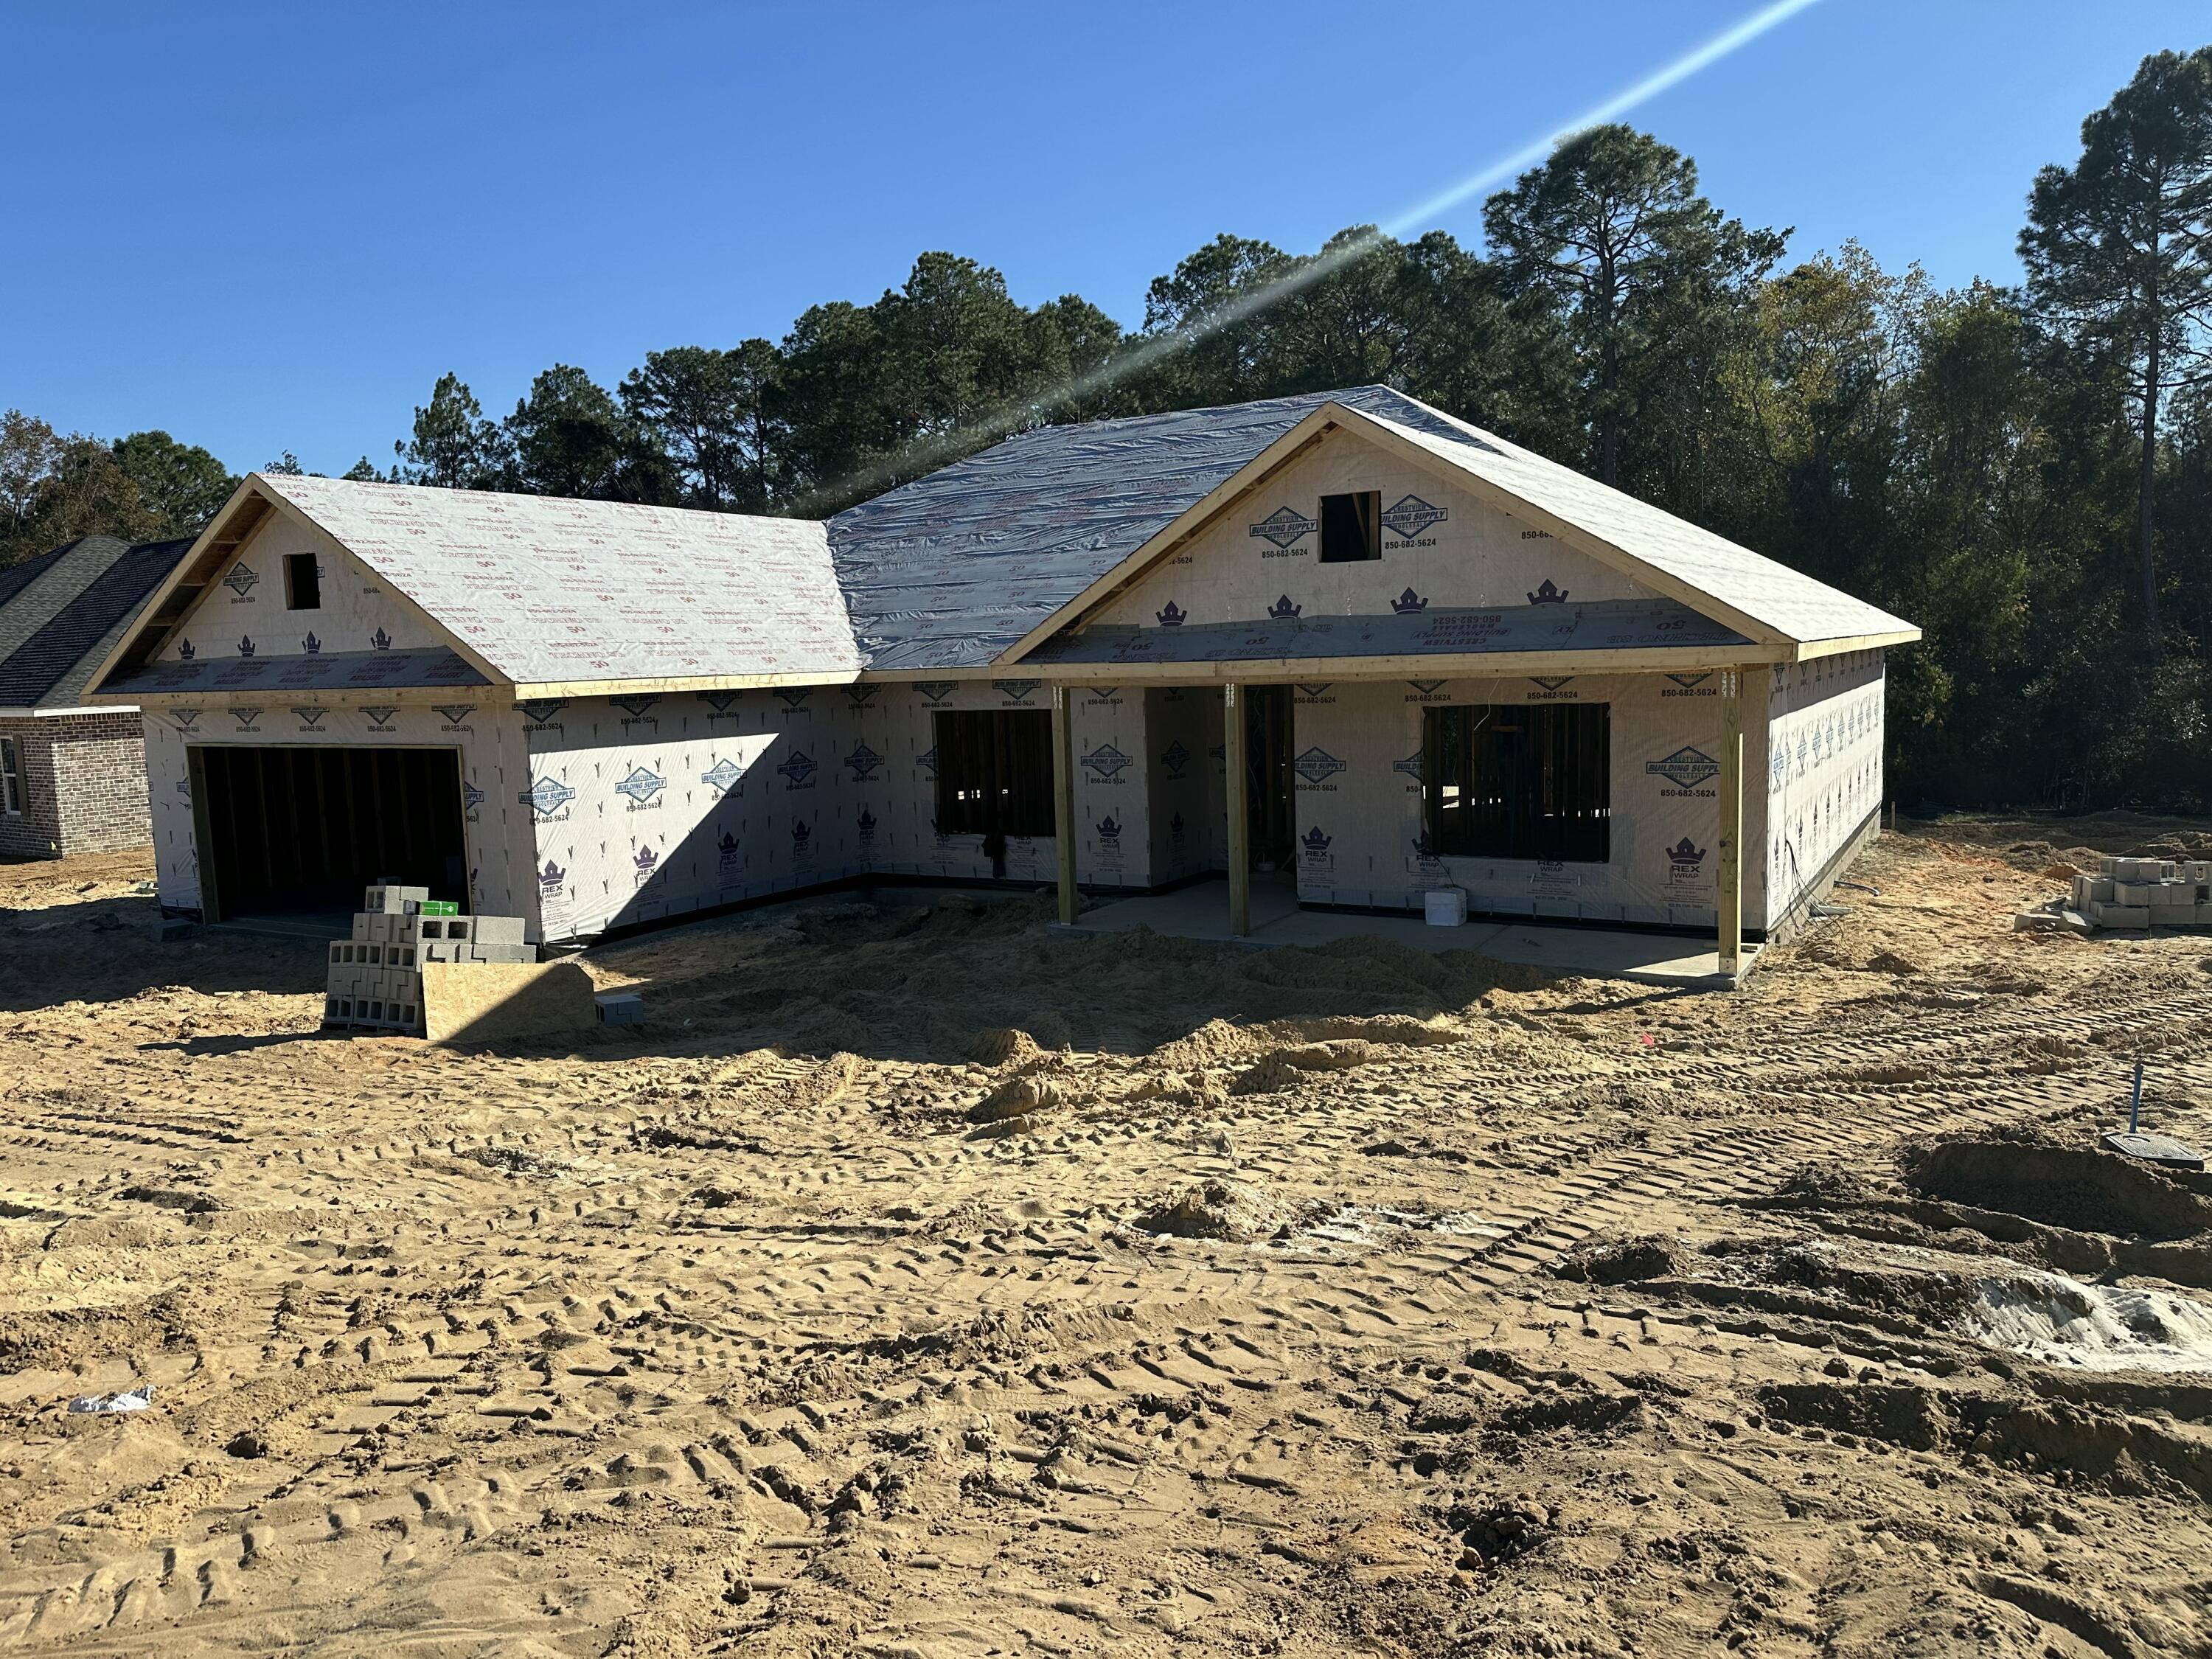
<point x="537" y="690"/>
<point x="1310" y="429"/>
<point x="1812" y="650"/>
<point x="1566" y="530"/>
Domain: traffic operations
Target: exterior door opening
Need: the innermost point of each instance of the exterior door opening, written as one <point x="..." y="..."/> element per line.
<point x="1269" y="803"/>
<point x="292" y="830"/>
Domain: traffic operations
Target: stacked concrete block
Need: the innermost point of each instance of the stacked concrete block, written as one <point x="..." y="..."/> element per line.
<point x="376" y="976"/>
<point x="620" y="1008"/>
<point x="2136" y="893"/>
<point x="472" y="938"/>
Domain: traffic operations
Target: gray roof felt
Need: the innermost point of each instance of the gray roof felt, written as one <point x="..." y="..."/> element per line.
<point x="59" y="620"/>
<point x="431" y="667"/>
<point x="1606" y="625"/>
<point x="948" y="571"/>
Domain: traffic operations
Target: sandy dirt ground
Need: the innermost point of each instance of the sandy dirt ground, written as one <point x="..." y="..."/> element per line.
<point x="914" y="1283"/>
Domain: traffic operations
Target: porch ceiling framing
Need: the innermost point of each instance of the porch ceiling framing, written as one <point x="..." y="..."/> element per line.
<point x="1478" y="666"/>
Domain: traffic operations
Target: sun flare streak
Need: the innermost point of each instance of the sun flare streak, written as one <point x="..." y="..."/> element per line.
<point x="1248" y="303"/>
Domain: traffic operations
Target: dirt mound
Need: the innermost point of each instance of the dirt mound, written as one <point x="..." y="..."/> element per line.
<point x="1623" y="1261"/>
<point x="1286" y="1068"/>
<point x="1238" y="1211"/>
<point x="1003" y="1045"/>
<point x="2083" y="1187"/>
<point x="2129" y="1456"/>
<point x="1893" y="964"/>
<point x="1211" y="1043"/>
<point x="1884" y="1076"/>
<point x="1018" y="1097"/>
<point x="1497" y="1532"/>
<point x="1400" y="1029"/>
<point x="63" y="1337"/>
<point x="1816" y="1185"/>
<point x="1194" y="1090"/>
<point x="1896" y="1415"/>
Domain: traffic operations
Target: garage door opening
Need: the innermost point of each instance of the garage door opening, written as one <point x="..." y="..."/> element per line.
<point x="294" y="831"/>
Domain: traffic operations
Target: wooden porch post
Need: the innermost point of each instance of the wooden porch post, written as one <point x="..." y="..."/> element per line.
<point x="1728" y="874"/>
<point x="1063" y="800"/>
<point x="1240" y="829"/>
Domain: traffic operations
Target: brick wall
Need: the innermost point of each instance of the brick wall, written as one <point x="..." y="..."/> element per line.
<point x="84" y="786"/>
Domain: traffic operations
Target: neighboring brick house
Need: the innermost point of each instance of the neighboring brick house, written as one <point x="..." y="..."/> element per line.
<point x="72" y="776"/>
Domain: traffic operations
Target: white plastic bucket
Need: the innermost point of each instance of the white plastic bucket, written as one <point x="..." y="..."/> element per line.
<point x="1447" y="907"/>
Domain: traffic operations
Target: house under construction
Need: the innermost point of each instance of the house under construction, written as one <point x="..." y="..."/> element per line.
<point x="1342" y="639"/>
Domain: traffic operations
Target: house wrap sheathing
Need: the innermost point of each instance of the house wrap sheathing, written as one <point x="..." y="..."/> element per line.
<point x="644" y="713"/>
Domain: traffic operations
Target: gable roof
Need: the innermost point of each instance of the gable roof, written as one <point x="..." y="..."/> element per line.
<point x="570" y="597"/>
<point x="951" y="570"/>
<point x="973" y="567"/>
<point x="980" y="562"/>
<point x="1704" y="569"/>
<point x="60" y="613"/>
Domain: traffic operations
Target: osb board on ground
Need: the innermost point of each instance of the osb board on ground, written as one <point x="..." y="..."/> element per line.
<point x="492" y="1002"/>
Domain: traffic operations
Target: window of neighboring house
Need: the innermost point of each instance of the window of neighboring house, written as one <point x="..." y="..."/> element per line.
<point x="303" y="582"/>
<point x="994" y="772"/>
<point x="1507" y="781"/>
<point x="11" y="778"/>
<point x="1352" y="527"/>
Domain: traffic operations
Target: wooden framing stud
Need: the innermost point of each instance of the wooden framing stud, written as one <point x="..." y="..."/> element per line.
<point x="1063" y="801"/>
<point x="1728" y="872"/>
<point x="1240" y="811"/>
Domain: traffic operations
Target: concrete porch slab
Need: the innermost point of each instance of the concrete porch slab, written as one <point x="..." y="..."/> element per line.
<point x="1202" y="912"/>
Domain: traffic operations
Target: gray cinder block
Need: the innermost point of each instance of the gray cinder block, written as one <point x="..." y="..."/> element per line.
<point x="498" y="930"/>
<point x="621" y="1008"/>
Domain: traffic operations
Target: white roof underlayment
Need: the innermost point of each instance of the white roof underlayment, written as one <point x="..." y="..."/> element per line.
<point x="550" y="591"/>
<point x="1794" y="605"/>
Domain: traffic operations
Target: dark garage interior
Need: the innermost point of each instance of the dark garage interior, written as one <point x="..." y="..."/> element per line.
<point x="292" y="830"/>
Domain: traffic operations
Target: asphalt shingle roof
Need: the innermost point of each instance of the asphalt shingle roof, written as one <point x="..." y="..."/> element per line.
<point x="61" y="612"/>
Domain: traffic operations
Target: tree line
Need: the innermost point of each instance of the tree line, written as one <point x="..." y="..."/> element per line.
<point x="2026" y="471"/>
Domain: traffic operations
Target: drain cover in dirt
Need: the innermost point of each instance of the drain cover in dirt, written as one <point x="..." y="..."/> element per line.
<point x="2155" y="1149"/>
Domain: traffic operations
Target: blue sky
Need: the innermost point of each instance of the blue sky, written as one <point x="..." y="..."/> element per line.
<point x="271" y="228"/>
